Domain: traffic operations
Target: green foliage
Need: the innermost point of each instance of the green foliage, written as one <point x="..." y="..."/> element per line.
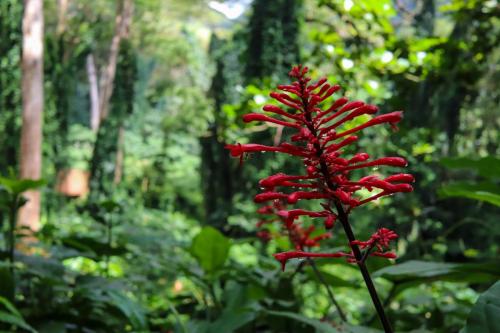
<point x="10" y="81"/>
<point x="273" y="45"/>
<point x="483" y="316"/>
<point x="487" y="167"/>
<point x="319" y="326"/>
<point x="487" y="191"/>
<point x="17" y="186"/>
<point x="413" y="273"/>
<point x="211" y="249"/>
<point x="172" y="247"/>
<point x="10" y="315"/>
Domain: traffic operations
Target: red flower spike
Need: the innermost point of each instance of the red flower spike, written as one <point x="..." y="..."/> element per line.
<point x="318" y="139"/>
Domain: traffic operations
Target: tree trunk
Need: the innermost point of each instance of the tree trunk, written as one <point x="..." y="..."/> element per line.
<point x="119" y="156"/>
<point x="94" y="93"/>
<point x="62" y="9"/>
<point x="32" y="94"/>
<point x="122" y="26"/>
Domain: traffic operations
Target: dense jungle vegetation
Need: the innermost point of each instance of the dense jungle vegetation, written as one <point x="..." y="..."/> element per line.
<point x="122" y="211"/>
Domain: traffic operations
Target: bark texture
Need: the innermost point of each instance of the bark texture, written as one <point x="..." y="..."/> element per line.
<point x="32" y="95"/>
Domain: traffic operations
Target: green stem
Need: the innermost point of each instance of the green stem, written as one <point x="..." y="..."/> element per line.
<point x="110" y="239"/>
<point x="12" y="238"/>
<point x="364" y="270"/>
<point x="321" y="278"/>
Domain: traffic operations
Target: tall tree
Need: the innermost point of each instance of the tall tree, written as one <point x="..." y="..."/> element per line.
<point x="273" y="31"/>
<point x="109" y="144"/>
<point x="93" y="92"/>
<point x="122" y="26"/>
<point x="32" y="95"/>
<point x="110" y="132"/>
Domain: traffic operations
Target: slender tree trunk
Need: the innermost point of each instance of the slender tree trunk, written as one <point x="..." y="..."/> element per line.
<point x="32" y="94"/>
<point x="94" y="93"/>
<point x="119" y="156"/>
<point x="122" y="26"/>
<point x="62" y="9"/>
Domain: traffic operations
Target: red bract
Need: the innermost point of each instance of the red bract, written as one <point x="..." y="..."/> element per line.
<point x="318" y="140"/>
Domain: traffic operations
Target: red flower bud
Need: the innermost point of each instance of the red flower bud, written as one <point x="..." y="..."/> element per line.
<point x="330" y="221"/>
<point x="260" y="117"/>
<point x="266" y="196"/>
<point x="285" y="256"/>
<point x="299" y="195"/>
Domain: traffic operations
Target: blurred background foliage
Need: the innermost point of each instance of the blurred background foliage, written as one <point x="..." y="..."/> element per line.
<point x="170" y="245"/>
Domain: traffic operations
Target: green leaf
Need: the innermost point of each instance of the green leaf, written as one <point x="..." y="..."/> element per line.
<point x="18" y="186"/>
<point x="331" y="280"/>
<point x="91" y="247"/>
<point x="488" y="167"/>
<point x="211" y="249"/>
<point x="9" y="306"/>
<point x="484" y="314"/>
<point x="15" y="320"/>
<point x="231" y="320"/>
<point x="414" y="272"/>
<point x="318" y="325"/>
<point x="131" y="310"/>
<point x="110" y="205"/>
<point x="52" y="327"/>
<point x="486" y="192"/>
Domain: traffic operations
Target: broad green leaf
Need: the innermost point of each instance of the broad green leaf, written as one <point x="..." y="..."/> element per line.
<point x="15" y="320"/>
<point x="232" y="319"/>
<point x="488" y="167"/>
<point x="484" y="314"/>
<point x="211" y="249"/>
<point x="18" y="186"/>
<point x="318" y="325"/>
<point x="199" y="326"/>
<point x="416" y="272"/>
<point x="486" y="192"/>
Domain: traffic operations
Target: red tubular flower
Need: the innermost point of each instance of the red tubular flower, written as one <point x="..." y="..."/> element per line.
<point x="285" y="256"/>
<point x="300" y="237"/>
<point x="379" y="240"/>
<point x="318" y="140"/>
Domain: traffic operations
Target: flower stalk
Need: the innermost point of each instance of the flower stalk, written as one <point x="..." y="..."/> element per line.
<point x="319" y="139"/>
